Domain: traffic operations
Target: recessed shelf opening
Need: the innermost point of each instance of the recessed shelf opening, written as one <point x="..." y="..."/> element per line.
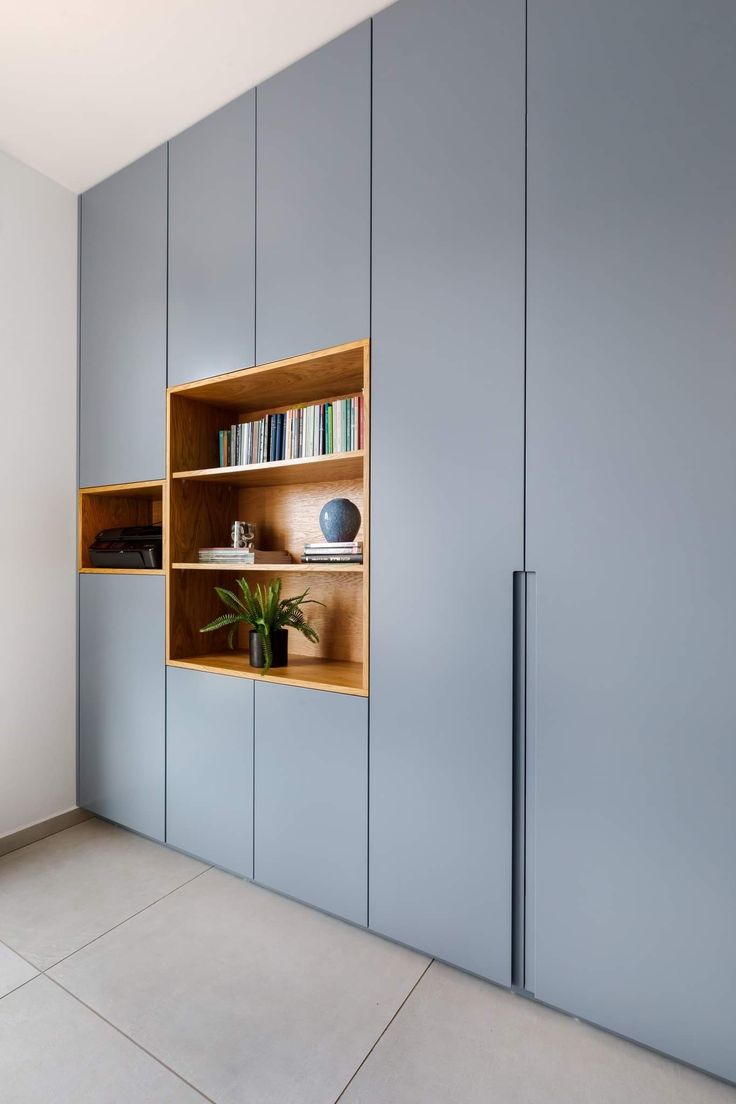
<point x="283" y="500"/>
<point x="114" y="507"/>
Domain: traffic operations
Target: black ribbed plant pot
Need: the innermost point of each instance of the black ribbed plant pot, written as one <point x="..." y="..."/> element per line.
<point x="279" y="648"/>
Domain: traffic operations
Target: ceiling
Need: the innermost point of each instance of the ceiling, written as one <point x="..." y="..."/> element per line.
<point x="86" y="86"/>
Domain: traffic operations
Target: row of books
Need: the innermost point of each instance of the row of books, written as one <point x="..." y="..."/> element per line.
<point x="238" y="556"/>
<point x="333" y="552"/>
<point x="319" y="430"/>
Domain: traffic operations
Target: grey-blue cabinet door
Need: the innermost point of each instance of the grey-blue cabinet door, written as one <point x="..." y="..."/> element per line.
<point x="313" y="206"/>
<point x="311" y="793"/>
<point x="212" y="180"/>
<point x="447" y="426"/>
<point x="122" y="699"/>
<point x="209" y="767"/>
<point x="631" y="523"/>
<point x="122" y="404"/>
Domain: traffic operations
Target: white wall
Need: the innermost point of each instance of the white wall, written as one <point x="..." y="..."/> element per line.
<point x="38" y="411"/>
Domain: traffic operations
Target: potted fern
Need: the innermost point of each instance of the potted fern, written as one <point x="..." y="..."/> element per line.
<point x="270" y="617"/>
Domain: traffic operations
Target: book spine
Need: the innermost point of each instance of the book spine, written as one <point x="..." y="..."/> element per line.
<point x="337" y="558"/>
<point x="337" y="546"/>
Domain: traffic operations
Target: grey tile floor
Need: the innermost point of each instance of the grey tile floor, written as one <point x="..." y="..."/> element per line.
<point x="130" y="974"/>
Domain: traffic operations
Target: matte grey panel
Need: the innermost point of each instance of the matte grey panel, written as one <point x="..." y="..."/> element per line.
<point x="311" y="790"/>
<point x="212" y="178"/>
<point x="121" y="699"/>
<point x="631" y="520"/>
<point x="447" y="472"/>
<point x="209" y="767"/>
<point x="123" y="325"/>
<point x="313" y="208"/>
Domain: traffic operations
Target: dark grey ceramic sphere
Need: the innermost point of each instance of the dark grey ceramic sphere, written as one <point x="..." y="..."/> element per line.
<point x="339" y="520"/>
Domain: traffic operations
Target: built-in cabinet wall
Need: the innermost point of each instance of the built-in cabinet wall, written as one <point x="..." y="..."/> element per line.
<point x="598" y="458"/>
<point x="275" y="775"/>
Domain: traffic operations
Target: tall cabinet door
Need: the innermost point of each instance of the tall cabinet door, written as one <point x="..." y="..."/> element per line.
<point x="447" y="426"/>
<point x="313" y="209"/>
<point x="123" y="325"/>
<point x="212" y="180"/>
<point x="632" y="518"/>
<point x="121" y="699"/>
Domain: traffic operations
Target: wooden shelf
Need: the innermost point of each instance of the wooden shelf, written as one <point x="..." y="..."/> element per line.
<point x="310" y="469"/>
<point x="339" y="676"/>
<point x="272" y="569"/>
<point x="151" y="489"/>
<point x="302" y="379"/>
<point x="121" y="571"/>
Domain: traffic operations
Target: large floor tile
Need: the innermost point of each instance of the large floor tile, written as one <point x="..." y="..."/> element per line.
<point x="61" y="892"/>
<point x="55" y="1051"/>
<point x="460" y="1039"/>
<point x="14" y="971"/>
<point x="251" y="997"/>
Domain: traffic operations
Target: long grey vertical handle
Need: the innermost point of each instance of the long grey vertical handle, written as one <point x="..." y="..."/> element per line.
<point x="524" y="686"/>
<point x="518" y="876"/>
<point x="530" y="736"/>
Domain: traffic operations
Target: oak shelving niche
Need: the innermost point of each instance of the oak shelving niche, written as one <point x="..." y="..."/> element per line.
<point x="112" y="507"/>
<point x="283" y="499"/>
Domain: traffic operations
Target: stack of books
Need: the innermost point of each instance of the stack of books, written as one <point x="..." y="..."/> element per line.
<point x="333" y="552"/>
<point x="237" y="556"/>
<point x="319" y="430"/>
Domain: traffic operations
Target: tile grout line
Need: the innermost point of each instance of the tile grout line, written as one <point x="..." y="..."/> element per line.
<point x="339" y="1097"/>
<point x="125" y="920"/>
<point x="130" y="1039"/>
<point x="89" y="943"/>
<point x="23" y="958"/>
<point x="21" y="986"/>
